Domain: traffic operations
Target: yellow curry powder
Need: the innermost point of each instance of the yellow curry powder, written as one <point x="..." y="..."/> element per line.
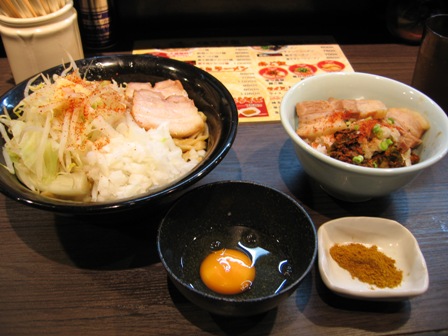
<point x="367" y="264"/>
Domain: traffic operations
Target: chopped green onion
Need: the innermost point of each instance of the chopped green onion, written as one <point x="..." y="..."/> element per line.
<point x="356" y="127"/>
<point x="376" y="129"/>
<point x="384" y="145"/>
<point x="391" y="121"/>
<point x="358" y="159"/>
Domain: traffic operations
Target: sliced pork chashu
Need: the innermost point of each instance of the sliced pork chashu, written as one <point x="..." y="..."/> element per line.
<point x="323" y="117"/>
<point x="166" y="102"/>
<point x="411" y="124"/>
<point x="170" y="88"/>
<point x="135" y="86"/>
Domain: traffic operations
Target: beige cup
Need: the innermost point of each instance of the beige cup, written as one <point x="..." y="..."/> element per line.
<point x="36" y="44"/>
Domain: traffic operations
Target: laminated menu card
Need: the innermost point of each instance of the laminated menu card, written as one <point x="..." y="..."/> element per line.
<point x="259" y="76"/>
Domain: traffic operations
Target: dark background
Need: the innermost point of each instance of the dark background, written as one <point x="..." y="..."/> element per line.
<point x="344" y="19"/>
<point x="348" y="21"/>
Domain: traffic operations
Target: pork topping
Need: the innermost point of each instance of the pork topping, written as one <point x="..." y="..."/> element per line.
<point x="165" y="102"/>
<point x="364" y="132"/>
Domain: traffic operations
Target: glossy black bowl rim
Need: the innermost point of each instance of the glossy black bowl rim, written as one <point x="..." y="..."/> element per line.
<point x="223" y="299"/>
<point x="156" y="196"/>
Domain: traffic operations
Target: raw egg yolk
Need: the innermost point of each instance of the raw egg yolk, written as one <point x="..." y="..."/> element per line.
<point x="227" y="271"/>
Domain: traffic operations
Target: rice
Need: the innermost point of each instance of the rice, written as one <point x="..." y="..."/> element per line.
<point x="134" y="162"/>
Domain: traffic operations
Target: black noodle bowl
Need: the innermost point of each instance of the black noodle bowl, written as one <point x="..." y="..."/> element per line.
<point x="209" y="95"/>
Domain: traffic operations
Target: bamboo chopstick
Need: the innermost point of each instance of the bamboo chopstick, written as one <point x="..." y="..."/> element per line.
<point x="9" y="8"/>
<point x="29" y="8"/>
<point x="23" y="10"/>
<point x="52" y="5"/>
<point x="37" y="7"/>
<point x="45" y="6"/>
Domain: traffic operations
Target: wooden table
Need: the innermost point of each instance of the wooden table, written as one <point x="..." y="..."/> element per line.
<point x="80" y="276"/>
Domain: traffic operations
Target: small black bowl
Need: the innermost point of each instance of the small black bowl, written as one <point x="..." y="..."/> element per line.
<point x="208" y="93"/>
<point x="268" y="225"/>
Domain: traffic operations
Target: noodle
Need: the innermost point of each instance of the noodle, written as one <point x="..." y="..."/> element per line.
<point x="195" y="142"/>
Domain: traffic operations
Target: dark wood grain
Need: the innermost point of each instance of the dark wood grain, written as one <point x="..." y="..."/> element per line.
<point x="101" y="276"/>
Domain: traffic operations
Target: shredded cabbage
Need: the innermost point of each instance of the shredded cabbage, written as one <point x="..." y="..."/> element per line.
<point x="76" y="139"/>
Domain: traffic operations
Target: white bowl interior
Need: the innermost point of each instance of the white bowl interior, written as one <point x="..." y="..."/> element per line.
<point x="391" y="238"/>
